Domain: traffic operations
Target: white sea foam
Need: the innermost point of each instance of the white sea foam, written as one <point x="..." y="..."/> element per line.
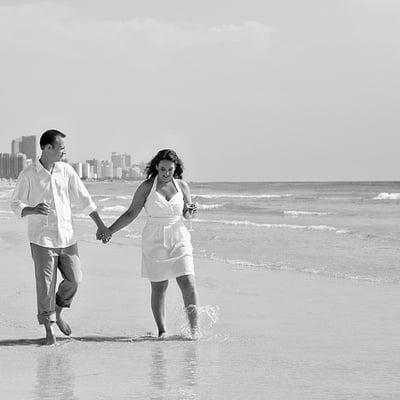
<point x="387" y="196"/>
<point x="86" y="217"/>
<point x="284" y="267"/>
<point x="244" y="223"/>
<point x="306" y="213"/>
<point x="6" y="212"/>
<point x="123" y="197"/>
<point x="241" y="196"/>
<point x="133" y="236"/>
<point x="102" y="200"/>
<point x="211" y="206"/>
<point x="114" y="208"/>
<point x="208" y="316"/>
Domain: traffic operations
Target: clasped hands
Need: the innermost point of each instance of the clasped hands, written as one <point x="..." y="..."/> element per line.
<point x="104" y="234"/>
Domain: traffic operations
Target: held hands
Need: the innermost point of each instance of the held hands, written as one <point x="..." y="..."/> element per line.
<point x="103" y="234"/>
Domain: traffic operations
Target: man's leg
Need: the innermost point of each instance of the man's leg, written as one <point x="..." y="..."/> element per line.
<point x="70" y="267"/>
<point x="45" y="260"/>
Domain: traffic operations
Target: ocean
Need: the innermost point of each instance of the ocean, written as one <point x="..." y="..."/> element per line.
<point x="340" y="230"/>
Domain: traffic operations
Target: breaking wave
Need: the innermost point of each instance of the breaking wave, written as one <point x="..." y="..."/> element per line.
<point x="387" y="196"/>
<point x="244" y="223"/>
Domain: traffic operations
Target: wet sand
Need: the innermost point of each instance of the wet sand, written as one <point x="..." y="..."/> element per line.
<point x="279" y="335"/>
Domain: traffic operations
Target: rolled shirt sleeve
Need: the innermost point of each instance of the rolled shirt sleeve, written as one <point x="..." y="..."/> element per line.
<point x="80" y="193"/>
<point x="19" y="198"/>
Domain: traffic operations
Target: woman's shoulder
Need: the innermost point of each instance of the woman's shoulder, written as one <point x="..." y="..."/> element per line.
<point x="181" y="182"/>
<point x="183" y="185"/>
<point x="145" y="187"/>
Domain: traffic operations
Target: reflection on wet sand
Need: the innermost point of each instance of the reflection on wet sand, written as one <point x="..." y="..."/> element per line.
<point x="169" y="380"/>
<point x="55" y="379"/>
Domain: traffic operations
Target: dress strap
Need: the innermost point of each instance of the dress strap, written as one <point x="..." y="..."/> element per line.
<point x="154" y="187"/>
<point x="177" y="186"/>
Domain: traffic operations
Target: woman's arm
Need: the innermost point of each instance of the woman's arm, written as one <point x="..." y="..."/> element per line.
<point x="134" y="209"/>
<point x="188" y="212"/>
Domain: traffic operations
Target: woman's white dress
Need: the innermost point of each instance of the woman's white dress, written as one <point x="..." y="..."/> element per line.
<point x="166" y="248"/>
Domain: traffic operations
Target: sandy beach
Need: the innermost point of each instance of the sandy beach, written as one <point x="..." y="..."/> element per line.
<point x="279" y="335"/>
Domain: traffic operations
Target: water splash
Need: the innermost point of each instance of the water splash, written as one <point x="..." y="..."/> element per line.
<point x="208" y="316"/>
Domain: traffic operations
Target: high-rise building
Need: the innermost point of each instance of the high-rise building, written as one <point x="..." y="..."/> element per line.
<point x="25" y="145"/>
<point x="78" y="169"/>
<point x="118" y="172"/>
<point x="5" y="165"/>
<point x="86" y="171"/>
<point x="16" y="146"/>
<point x="117" y="160"/>
<point x="107" y="170"/>
<point x="128" y="160"/>
<point x="123" y="161"/>
<point x="11" y="165"/>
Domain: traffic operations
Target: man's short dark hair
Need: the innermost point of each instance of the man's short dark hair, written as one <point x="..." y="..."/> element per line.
<point x="49" y="137"/>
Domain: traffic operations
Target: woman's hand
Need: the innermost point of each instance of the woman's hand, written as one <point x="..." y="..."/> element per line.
<point x="190" y="210"/>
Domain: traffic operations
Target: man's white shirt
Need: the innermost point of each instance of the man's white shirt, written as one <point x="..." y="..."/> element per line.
<point x="59" y="189"/>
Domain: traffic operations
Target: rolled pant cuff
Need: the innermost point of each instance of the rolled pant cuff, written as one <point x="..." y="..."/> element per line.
<point x="46" y="318"/>
<point x="63" y="303"/>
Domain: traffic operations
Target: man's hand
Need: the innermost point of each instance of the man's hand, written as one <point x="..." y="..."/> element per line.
<point x="41" y="208"/>
<point x="103" y="234"/>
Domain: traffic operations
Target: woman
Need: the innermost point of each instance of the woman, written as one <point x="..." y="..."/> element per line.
<point x="166" y="248"/>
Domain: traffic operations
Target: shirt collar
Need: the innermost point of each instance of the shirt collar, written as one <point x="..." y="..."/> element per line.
<point x="40" y="168"/>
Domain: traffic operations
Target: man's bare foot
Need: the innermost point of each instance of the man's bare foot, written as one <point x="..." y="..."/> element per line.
<point x="50" y="336"/>
<point x="63" y="326"/>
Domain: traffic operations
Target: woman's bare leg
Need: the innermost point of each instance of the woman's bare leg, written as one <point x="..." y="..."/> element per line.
<point x="158" y="295"/>
<point x="187" y="285"/>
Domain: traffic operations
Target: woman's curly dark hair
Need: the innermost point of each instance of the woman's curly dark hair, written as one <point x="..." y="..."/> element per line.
<point x="166" y="154"/>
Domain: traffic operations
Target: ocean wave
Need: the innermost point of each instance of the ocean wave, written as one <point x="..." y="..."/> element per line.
<point x="211" y="206"/>
<point x="387" y="196"/>
<point x="306" y="213"/>
<point x="241" y="196"/>
<point x="114" y="208"/>
<point x="6" y="212"/>
<point x="6" y="194"/>
<point x="284" y="267"/>
<point x="133" y="236"/>
<point x="81" y="216"/>
<point x="103" y="200"/>
<point x="124" y="197"/>
<point x="325" y="228"/>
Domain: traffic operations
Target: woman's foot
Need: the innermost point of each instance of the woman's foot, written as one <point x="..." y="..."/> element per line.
<point x="162" y="335"/>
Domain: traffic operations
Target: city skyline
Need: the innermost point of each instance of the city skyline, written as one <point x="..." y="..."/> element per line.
<point x="24" y="151"/>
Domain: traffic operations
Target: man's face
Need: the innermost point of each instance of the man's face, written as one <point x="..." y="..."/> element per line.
<point x="57" y="151"/>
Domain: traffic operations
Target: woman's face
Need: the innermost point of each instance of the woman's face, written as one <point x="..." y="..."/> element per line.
<point x="165" y="170"/>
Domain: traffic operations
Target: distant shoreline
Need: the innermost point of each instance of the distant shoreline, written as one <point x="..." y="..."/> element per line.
<point x="12" y="181"/>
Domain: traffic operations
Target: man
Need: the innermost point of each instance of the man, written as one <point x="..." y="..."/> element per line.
<point x="44" y="192"/>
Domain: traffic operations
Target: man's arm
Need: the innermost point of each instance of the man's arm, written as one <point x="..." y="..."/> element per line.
<point x="82" y="196"/>
<point x="19" y="198"/>
<point x="103" y="232"/>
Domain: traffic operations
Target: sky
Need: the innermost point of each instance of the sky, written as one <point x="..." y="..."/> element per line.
<point x="286" y="90"/>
